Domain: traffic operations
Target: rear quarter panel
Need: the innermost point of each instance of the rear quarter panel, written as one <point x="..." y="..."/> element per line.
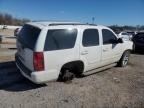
<point x="55" y="59"/>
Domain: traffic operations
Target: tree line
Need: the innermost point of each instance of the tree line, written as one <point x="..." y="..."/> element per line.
<point x="7" y="19"/>
<point x="118" y="29"/>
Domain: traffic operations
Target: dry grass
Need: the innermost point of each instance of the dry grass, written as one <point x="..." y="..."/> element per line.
<point x="6" y="32"/>
<point x="7" y="42"/>
<point x="7" y="58"/>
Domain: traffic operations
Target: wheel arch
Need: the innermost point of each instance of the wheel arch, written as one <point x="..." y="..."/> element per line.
<point x="120" y="61"/>
<point x="77" y="66"/>
<point x="127" y="50"/>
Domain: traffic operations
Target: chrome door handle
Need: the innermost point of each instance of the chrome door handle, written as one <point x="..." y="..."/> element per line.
<point x="84" y="52"/>
<point x="104" y="50"/>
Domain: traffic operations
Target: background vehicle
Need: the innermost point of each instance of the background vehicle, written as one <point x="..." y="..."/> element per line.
<point x="16" y="31"/>
<point x="4" y="27"/>
<point x="53" y="50"/>
<point x="1" y="38"/>
<point x="138" y="42"/>
<point x="133" y="33"/>
<point x="125" y="35"/>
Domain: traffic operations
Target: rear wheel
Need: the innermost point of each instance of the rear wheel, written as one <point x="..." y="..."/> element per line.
<point x="124" y="59"/>
<point x="134" y="48"/>
<point x="66" y="75"/>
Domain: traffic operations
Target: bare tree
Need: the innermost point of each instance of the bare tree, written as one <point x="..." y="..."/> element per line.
<point x="7" y="19"/>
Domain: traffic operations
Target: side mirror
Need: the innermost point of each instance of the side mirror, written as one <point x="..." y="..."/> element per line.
<point x="120" y="40"/>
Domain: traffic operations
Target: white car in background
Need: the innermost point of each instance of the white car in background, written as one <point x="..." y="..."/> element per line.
<point x="126" y="36"/>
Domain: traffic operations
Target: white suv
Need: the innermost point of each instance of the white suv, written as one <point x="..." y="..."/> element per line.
<point x="60" y="50"/>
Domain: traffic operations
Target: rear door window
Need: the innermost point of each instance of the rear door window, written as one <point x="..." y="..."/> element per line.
<point x="90" y="38"/>
<point x="29" y="35"/>
<point x="60" y="39"/>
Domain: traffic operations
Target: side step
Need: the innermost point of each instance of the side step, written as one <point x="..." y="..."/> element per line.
<point x="99" y="69"/>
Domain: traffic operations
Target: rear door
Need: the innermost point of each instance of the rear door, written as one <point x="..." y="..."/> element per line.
<point x="26" y="41"/>
<point x="90" y="50"/>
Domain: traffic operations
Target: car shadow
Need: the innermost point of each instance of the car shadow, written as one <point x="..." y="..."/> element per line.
<point x="12" y="80"/>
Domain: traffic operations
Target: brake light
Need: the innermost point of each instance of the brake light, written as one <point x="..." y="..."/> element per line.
<point x="38" y="61"/>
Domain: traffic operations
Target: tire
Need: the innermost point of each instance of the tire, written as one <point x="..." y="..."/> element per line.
<point x="0" y="39"/>
<point x="124" y="59"/>
<point x="134" y="48"/>
<point x="66" y="75"/>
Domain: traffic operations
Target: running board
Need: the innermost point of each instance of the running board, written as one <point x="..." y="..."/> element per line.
<point x="99" y="69"/>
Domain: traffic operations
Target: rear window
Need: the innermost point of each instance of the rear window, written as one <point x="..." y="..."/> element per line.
<point x="28" y="36"/>
<point x="60" y="39"/>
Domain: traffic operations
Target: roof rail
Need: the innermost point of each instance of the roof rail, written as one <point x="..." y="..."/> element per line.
<point x="57" y="24"/>
<point x="50" y="23"/>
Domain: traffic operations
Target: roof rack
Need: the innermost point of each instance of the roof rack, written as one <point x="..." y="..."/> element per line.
<point x="57" y="24"/>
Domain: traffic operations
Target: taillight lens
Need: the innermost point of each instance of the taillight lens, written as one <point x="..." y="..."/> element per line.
<point x="38" y="59"/>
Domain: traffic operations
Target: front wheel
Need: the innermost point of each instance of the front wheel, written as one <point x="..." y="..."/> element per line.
<point x="124" y="59"/>
<point x="134" y="48"/>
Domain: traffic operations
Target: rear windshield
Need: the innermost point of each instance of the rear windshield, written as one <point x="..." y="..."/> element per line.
<point x="60" y="39"/>
<point x="28" y="36"/>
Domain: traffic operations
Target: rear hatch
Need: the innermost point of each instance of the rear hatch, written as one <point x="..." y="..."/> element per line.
<point x="26" y="42"/>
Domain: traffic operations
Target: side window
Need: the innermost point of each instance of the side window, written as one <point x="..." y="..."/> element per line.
<point x="90" y="37"/>
<point x="108" y="36"/>
<point x="60" y="39"/>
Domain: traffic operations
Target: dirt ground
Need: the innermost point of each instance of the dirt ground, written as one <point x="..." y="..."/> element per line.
<point x="112" y="88"/>
<point x="7" y="45"/>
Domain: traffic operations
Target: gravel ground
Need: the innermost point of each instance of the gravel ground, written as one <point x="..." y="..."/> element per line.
<point x="112" y="88"/>
<point x="7" y="46"/>
<point x="7" y="52"/>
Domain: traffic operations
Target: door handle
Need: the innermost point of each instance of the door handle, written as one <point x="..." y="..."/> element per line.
<point x="104" y="50"/>
<point x="84" y="52"/>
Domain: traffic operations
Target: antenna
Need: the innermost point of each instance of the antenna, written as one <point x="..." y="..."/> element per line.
<point x="93" y="20"/>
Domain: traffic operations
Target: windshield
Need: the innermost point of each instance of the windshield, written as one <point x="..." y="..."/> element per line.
<point x="28" y="36"/>
<point x="125" y="34"/>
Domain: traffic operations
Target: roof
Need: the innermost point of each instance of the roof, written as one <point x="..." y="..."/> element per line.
<point x="42" y="24"/>
<point x="48" y="23"/>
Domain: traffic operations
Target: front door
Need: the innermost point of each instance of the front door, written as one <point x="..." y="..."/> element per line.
<point x="111" y="51"/>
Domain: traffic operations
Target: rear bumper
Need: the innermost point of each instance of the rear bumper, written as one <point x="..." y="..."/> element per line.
<point x="36" y="77"/>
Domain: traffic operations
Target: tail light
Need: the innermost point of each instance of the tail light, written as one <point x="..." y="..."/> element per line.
<point x="38" y="61"/>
